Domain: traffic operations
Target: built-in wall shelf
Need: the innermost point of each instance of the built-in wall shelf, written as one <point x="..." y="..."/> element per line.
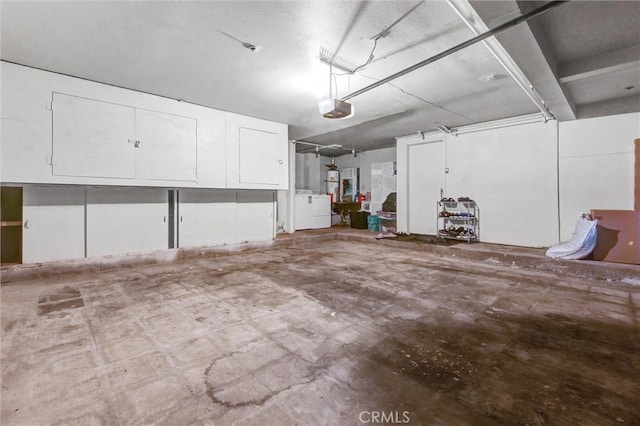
<point x="10" y="225"/>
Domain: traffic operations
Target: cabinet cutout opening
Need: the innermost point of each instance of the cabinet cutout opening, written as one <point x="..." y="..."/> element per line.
<point x="10" y="225"/>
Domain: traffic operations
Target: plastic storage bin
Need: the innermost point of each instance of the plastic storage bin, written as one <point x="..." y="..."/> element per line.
<point x="372" y="223"/>
<point x="387" y="222"/>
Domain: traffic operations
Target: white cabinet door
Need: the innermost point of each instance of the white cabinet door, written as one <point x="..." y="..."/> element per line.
<point x="206" y="217"/>
<point x="92" y="138"/>
<point x="53" y="223"/>
<point x="167" y="146"/>
<point x="126" y="220"/>
<point x="260" y="159"/>
<point x="255" y="216"/>
<point x="257" y="153"/>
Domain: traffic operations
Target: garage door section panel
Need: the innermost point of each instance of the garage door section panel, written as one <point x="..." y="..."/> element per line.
<point x="92" y="138"/>
<point x="167" y="148"/>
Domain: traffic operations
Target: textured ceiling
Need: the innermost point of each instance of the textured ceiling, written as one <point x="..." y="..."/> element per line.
<point x="193" y="51"/>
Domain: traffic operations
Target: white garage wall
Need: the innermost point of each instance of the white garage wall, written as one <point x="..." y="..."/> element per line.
<point x="54" y="223"/>
<point x="532" y="181"/>
<point x="511" y="173"/>
<point x="308" y="172"/>
<point x="596" y="166"/>
<point x="364" y="161"/>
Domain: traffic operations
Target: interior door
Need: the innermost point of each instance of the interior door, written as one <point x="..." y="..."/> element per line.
<point x="425" y="179"/>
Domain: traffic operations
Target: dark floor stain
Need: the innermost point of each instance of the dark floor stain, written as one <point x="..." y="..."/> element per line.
<point x="427" y="239"/>
<point x="557" y="377"/>
<point x="47" y="308"/>
<point x="60" y="299"/>
<point x="506" y="368"/>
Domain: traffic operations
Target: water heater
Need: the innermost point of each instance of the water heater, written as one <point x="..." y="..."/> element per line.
<point x="333" y="185"/>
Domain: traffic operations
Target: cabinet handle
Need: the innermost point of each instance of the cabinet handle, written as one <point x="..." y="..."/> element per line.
<point x="180" y="218"/>
<point x="279" y="161"/>
<point x="164" y="219"/>
<point x="26" y="224"/>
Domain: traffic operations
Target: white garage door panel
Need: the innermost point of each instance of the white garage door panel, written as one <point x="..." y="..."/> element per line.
<point x="207" y="218"/>
<point x="260" y="156"/>
<point x="126" y="220"/>
<point x="168" y="145"/>
<point x="91" y="138"/>
<point x="55" y="224"/>
<point x="426" y="177"/>
<point x="255" y="216"/>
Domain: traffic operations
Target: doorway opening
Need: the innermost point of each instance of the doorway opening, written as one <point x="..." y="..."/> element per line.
<point x="11" y="225"/>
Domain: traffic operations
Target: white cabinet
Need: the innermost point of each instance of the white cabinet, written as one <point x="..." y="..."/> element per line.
<point x="216" y="217"/>
<point x="255" y="216"/>
<point x="206" y="217"/>
<point x="257" y="153"/>
<point x="126" y="220"/>
<point x="166" y="146"/>
<point x="92" y="138"/>
<point x="53" y="223"/>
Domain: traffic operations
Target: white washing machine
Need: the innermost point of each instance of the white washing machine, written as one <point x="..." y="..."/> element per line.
<point x="312" y="211"/>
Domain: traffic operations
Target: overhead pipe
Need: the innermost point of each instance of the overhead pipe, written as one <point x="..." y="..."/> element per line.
<point x="318" y="147"/>
<point x="472" y="41"/>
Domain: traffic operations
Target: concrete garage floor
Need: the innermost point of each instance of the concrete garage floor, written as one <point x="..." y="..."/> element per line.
<point x="335" y="333"/>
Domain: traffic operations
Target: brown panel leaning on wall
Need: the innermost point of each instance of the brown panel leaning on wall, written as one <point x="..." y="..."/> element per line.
<point x="637" y="176"/>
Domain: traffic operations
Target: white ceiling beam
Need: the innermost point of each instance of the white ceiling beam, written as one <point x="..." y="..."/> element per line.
<point x="609" y="107"/>
<point x="593" y="66"/>
<point x="531" y="55"/>
<point x="475" y="23"/>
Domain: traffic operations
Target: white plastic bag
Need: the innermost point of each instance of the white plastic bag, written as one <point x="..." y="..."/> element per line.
<point x="582" y="242"/>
